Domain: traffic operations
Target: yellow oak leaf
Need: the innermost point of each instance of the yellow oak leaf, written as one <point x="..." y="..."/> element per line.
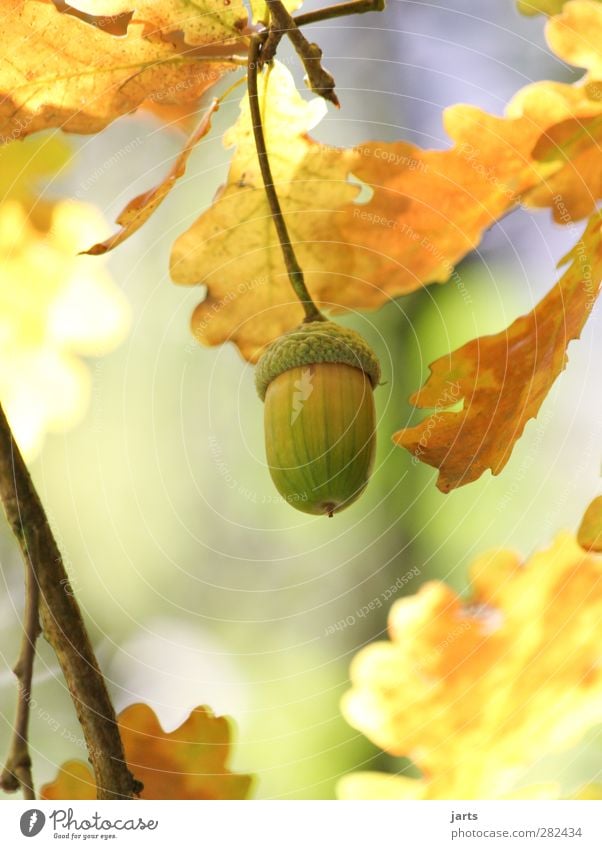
<point x="427" y="208"/>
<point x="477" y="690"/>
<point x="503" y="379"/>
<point x="576" y="35"/>
<point x="589" y="534"/>
<point x="187" y="763"/>
<point x="139" y="210"/>
<point x="54" y="305"/>
<point x="540" y="7"/>
<point x="233" y="249"/>
<point x="58" y="71"/>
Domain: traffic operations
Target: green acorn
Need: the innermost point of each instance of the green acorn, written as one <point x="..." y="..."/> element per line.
<point x="317" y="382"/>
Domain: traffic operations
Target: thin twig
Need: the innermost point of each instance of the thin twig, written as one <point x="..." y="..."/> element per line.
<point x="339" y="10"/>
<point x="17" y="769"/>
<point x="62" y="623"/>
<point x="312" y="313"/>
<point x="319" y="79"/>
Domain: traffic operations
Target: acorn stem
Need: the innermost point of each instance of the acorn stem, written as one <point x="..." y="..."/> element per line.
<point x="295" y="273"/>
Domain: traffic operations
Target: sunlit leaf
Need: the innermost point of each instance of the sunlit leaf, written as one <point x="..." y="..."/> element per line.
<point x="54" y="305"/>
<point x="540" y="7"/>
<point x="590" y="529"/>
<point x="233" y="249"/>
<point x="140" y="209"/>
<point x="58" y="71"/>
<point x="188" y="763"/>
<point x="420" y="211"/>
<point x="74" y="781"/>
<point x="477" y="690"/>
<point x="576" y="35"/>
<point x="503" y="379"/>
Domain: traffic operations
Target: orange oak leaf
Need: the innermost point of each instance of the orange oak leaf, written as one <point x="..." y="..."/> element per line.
<point x="188" y="763"/>
<point x="58" y="71"/>
<point x="140" y="209"/>
<point x="589" y="535"/>
<point x="427" y="210"/>
<point x="475" y="691"/>
<point x="503" y="379"/>
<point x="576" y="35"/>
<point x="430" y="208"/>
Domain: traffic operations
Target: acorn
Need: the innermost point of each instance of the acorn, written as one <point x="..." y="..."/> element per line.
<point x="317" y="382"/>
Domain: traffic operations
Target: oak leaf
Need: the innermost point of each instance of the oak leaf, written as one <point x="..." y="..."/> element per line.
<point x="139" y="210"/>
<point x="233" y="248"/>
<point x="477" y="690"/>
<point x="58" y="71"/>
<point x="187" y="763"/>
<point x="503" y="379"/>
<point x="576" y="35"/>
<point x="427" y="209"/>
<point x="540" y="7"/>
<point x="55" y="306"/>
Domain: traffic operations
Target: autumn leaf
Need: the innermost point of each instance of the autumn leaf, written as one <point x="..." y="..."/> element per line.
<point x="233" y="248"/>
<point x="476" y="691"/>
<point x="58" y="71"/>
<point x="188" y="763"/>
<point x="427" y="209"/>
<point x="55" y="306"/>
<point x="503" y="379"/>
<point x="139" y="210"/>
<point x="540" y="7"/>
<point x="576" y="35"/>
<point x="590" y="529"/>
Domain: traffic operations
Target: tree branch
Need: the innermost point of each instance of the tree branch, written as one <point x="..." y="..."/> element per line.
<point x="319" y="79"/>
<point x="339" y="10"/>
<point x="17" y="769"/>
<point x="62" y="623"/>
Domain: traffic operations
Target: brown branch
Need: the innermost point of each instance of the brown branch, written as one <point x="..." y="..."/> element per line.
<point x="17" y="769"/>
<point x="339" y="10"/>
<point x="62" y="623"/>
<point x="319" y="79"/>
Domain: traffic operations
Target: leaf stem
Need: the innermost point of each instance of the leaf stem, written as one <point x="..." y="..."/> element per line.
<point x="62" y="622"/>
<point x="295" y="273"/>
<point x="17" y="769"/>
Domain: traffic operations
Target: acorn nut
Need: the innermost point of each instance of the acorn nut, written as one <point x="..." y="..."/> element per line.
<point x="317" y="382"/>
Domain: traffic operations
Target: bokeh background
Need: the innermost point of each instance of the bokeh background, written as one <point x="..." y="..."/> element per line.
<point x="199" y="584"/>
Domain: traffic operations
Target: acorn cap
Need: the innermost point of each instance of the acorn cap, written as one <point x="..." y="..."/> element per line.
<point x="315" y="342"/>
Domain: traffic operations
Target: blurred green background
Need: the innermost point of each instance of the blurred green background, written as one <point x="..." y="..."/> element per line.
<point x="199" y="585"/>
